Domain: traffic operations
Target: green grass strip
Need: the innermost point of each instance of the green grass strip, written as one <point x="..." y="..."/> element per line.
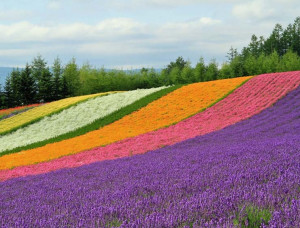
<point x="48" y="115"/>
<point x="100" y="122"/>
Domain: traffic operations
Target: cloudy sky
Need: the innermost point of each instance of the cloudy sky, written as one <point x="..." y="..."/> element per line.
<point x="134" y="33"/>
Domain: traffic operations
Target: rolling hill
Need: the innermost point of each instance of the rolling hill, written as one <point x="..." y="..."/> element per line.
<point x="212" y="154"/>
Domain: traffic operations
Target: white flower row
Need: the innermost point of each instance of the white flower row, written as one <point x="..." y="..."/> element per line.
<point x="72" y="118"/>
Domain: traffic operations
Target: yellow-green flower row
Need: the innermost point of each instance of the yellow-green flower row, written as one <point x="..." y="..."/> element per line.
<point x="37" y="113"/>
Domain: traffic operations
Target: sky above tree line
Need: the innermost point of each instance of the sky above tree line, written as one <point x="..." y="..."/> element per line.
<point x="134" y="33"/>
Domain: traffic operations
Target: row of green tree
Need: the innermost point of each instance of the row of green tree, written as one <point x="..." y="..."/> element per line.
<point x="38" y="82"/>
<point x="278" y="52"/>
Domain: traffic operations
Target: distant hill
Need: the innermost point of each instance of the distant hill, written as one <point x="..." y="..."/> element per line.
<point x="4" y="71"/>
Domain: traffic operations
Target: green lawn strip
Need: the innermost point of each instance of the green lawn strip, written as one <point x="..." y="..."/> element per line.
<point x="100" y="122"/>
<point x="48" y="115"/>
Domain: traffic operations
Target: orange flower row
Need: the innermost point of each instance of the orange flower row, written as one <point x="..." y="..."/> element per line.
<point x="172" y="108"/>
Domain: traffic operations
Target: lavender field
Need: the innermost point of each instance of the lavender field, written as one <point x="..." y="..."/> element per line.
<point x="247" y="174"/>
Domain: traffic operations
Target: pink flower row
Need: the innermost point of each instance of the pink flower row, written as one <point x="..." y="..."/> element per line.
<point x="257" y="94"/>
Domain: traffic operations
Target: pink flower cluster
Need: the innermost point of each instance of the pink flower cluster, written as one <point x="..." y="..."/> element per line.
<point x="256" y="95"/>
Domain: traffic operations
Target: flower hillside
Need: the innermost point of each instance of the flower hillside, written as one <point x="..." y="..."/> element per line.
<point x="169" y="109"/>
<point x="72" y="118"/>
<point x="257" y="94"/>
<point x="36" y="113"/>
<point x="245" y="175"/>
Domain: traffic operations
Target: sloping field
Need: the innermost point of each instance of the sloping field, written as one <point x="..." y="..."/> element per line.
<point x="37" y="113"/>
<point x="72" y="118"/>
<point x="257" y="94"/>
<point x="244" y="175"/>
<point x="174" y="107"/>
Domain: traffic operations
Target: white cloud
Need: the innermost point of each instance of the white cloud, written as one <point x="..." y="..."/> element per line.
<point x="22" y="32"/>
<point x="28" y="32"/>
<point x="162" y="4"/>
<point x="14" y="15"/>
<point x="54" y="5"/>
<point x="15" y="52"/>
<point x="113" y="37"/>
<point x="275" y="11"/>
<point x="257" y="9"/>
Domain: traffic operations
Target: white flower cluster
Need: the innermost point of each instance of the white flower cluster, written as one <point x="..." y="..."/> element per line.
<point x="72" y="118"/>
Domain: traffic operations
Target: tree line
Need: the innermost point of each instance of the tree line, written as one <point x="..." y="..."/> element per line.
<point x="38" y="82"/>
<point x="277" y="53"/>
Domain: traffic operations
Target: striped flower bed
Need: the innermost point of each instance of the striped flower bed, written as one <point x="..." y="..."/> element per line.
<point x="72" y="118"/>
<point x="6" y="113"/>
<point x="244" y="175"/>
<point x="253" y="97"/>
<point x="167" y="110"/>
<point x="10" y="110"/>
<point x="18" y="121"/>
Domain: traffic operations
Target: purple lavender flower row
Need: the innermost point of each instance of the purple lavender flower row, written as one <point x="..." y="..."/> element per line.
<point x="220" y="179"/>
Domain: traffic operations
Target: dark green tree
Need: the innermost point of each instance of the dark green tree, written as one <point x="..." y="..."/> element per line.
<point x="144" y="71"/>
<point x="187" y="75"/>
<point x="212" y="71"/>
<point x="271" y="63"/>
<point x="237" y="66"/>
<point x="57" y="78"/>
<point x="154" y="78"/>
<point x="180" y="63"/>
<point x="254" y="46"/>
<point x="200" y="71"/>
<point x="38" y="65"/>
<point x="225" y="71"/>
<point x="28" y="89"/>
<point x="15" y="78"/>
<point x="165" y="77"/>
<point x="8" y="93"/>
<point x="2" y="97"/>
<point x="71" y="75"/>
<point x="175" y="75"/>
<point x="274" y="42"/>
<point x="250" y="65"/>
<point x="290" y="62"/>
<point x="296" y="36"/>
<point x="287" y="38"/>
<point x="38" y="72"/>
<point x="64" y="89"/>
<point x="231" y="54"/>
<point x="88" y="79"/>
<point x="45" y="86"/>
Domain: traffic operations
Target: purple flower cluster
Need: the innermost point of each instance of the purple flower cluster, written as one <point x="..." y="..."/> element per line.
<point x="208" y="181"/>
